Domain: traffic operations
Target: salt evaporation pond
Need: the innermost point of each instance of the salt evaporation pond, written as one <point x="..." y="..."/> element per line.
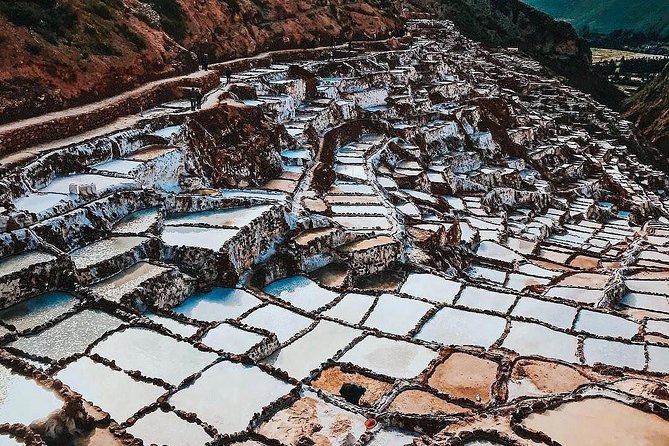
<point x="534" y="339"/>
<point x="38" y="310"/>
<point x="600" y="422"/>
<point x="175" y="327"/>
<point x="603" y="324"/>
<point x="236" y="217"/>
<point x="138" y="222"/>
<point x="351" y="308"/>
<point x="397" y="315"/>
<point x="284" y="323"/>
<point x="396" y="359"/>
<point x="39" y="202"/>
<point x="301" y="292"/>
<point x="250" y="388"/>
<point x="148" y="351"/>
<point x="126" y="281"/>
<point x="553" y="313"/>
<point x="22" y="400"/>
<point x="312" y="349"/>
<point x="218" y="304"/>
<point x="166" y="428"/>
<point x="84" y="376"/>
<point x="61" y="185"/>
<point x="451" y="326"/>
<point x="104" y="249"/>
<point x="392" y="438"/>
<point x="123" y="167"/>
<point x="196" y="237"/>
<point x="482" y="299"/>
<point x="231" y="339"/>
<point x="70" y="336"/>
<point x="614" y="353"/>
<point x="18" y="262"/>
<point x="431" y="287"/>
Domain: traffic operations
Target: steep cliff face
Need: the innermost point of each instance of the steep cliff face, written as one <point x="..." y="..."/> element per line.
<point x="59" y="53"/>
<point x="512" y="23"/>
<point x="649" y="110"/>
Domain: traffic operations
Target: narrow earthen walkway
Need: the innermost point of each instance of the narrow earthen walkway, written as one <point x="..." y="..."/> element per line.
<point x="15" y="146"/>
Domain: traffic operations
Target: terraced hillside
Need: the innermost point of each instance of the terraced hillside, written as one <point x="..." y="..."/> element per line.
<point x="419" y="241"/>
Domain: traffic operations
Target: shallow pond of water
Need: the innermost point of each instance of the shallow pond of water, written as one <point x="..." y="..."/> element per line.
<point x="231" y="339"/>
<point x="118" y="285"/>
<point x="247" y="386"/>
<point x="614" y="353"/>
<point x="391" y="437"/>
<point x="533" y="339"/>
<point x="22" y="400"/>
<point x="452" y="326"/>
<point x="482" y="299"/>
<point x="600" y="422"/>
<point x="195" y="237"/>
<point x="235" y="217"/>
<point x="218" y="304"/>
<point x="431" y="287"/>
<point x="153" y="354"/>
<point x="553" y="313"/>
<point x="38" y="310"/>
<point x="351" y="308"/>
<point x="70" y="336"/>
<point x="137" y="222"/>
<point x="284" y="323"/>
<point x="120" y="396"/>
<point x="104" y="249"/>
<point x="604" y="324"/>
<point x="397" y="315"/>
<point x="38" y="202"/>
<point x="312" y="349"/>
<point x="123" y="167"/>
<point x="18" y="262"/>
<point x="301" y="292"/>
<point x="396" y="359"/>
<point x="166" y="428"/>
<point x="176" y="327"/>
<point x="61" y="185"/>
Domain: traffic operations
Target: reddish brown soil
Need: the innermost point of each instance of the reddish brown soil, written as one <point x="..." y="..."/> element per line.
<point x="465" y="376"/>
<point x="37" y="76"/>
<point x="418" y="402"/>
<point x="332" y="379"/>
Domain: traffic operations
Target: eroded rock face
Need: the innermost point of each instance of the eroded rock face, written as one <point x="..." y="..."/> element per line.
<point x="235" y="146"/>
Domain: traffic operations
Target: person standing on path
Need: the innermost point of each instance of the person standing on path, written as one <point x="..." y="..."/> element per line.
<point x="198" y="99"/>
<point x="193" y="99"/>
<point x="205" y="62"/>
<point x="228" y="75"/>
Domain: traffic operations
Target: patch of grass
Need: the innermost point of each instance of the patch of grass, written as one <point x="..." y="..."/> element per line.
<point x="33" y="48"/>
<point x="99" y="8"/>
<point x="172" y="17"/>
<point x="131" y="36"/>
<point x="52" y="19"/>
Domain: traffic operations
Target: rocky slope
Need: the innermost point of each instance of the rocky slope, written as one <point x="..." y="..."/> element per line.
<point x="56" y="54"/>
<point x="610" y="15"/>
<point x="512" y="23"/>
<point x="649" y="110"/>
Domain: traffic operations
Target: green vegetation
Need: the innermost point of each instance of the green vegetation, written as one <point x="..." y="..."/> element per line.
<point x="131" y="36"/>
<point x="607" y="16"/>
<point x="172" y="17"/>
<point x="52" y="19"/>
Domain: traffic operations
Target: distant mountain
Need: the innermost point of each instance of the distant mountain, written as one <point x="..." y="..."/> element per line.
<point x="606" y="16"/>
<point x="649" y="110"/>
<point x="512" y="23"/>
